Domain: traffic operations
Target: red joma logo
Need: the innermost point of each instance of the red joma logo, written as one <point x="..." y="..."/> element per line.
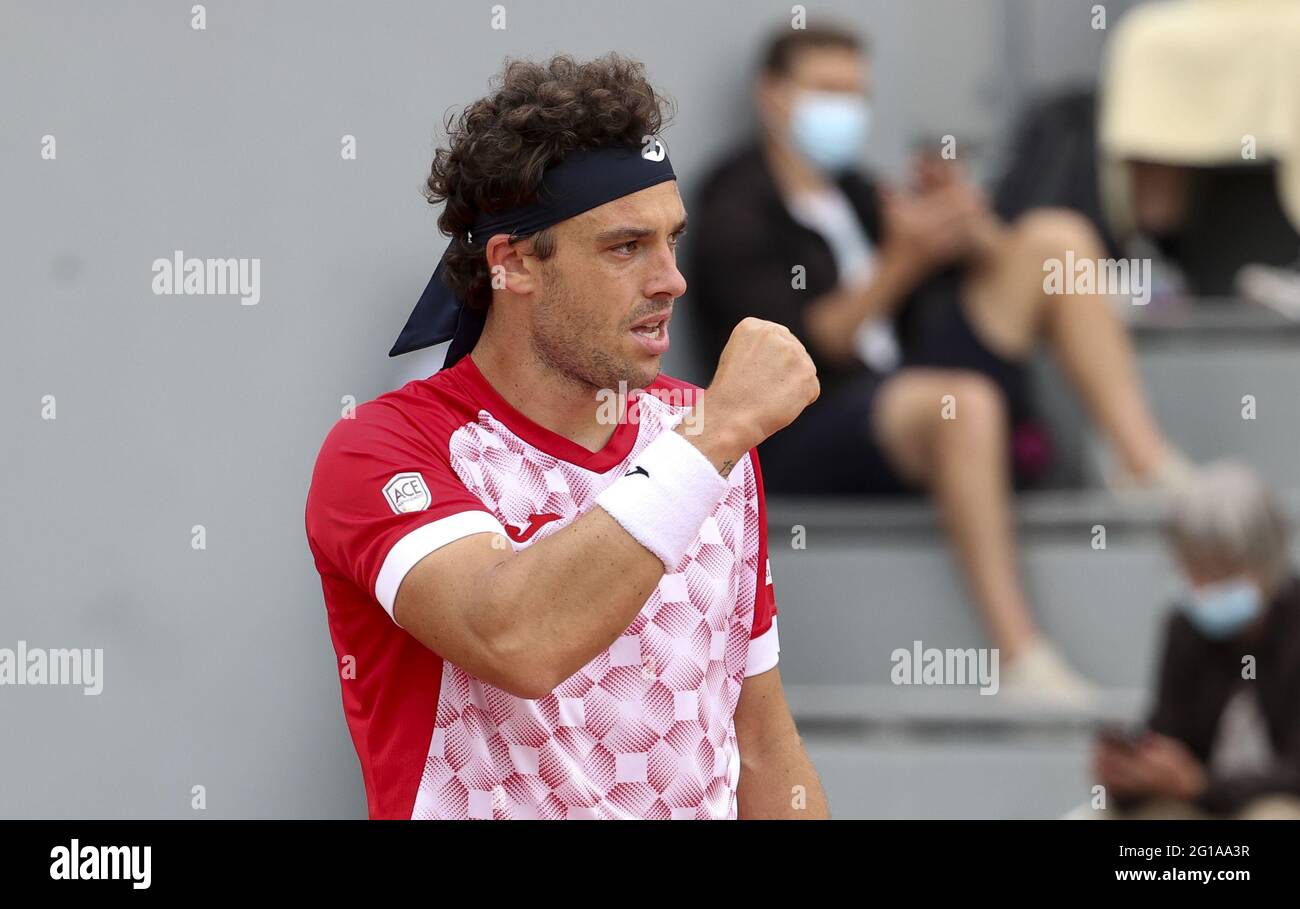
<point x="535" y="523"/>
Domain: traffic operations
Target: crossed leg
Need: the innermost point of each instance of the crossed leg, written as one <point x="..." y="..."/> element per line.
<point x="1009" y="310"/>
<point x="960" y="455"/>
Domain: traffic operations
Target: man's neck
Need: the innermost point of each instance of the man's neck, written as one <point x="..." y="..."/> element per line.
<point x="547" y="397"/>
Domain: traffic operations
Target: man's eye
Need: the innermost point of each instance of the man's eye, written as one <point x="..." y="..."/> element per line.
<point x="629" y="247"/>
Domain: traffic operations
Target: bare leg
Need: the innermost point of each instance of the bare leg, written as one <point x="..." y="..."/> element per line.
<point x="963" y="462"/>
<point x="1009" y="309"/>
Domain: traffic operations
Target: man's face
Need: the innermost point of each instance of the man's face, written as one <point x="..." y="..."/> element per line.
<point x="604" y="298"/>
<point x="815" y="69"/>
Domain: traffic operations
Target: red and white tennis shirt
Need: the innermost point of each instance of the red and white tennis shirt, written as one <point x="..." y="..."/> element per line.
<point x="645" y="729"/>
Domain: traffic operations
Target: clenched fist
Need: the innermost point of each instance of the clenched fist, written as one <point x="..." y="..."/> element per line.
<point x="764" y="380"/>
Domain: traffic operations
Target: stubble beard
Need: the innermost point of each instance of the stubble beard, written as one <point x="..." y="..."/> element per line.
<point x="560" y="343"/>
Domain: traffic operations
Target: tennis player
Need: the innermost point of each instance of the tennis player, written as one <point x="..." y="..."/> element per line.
<point x="545" y="566"/>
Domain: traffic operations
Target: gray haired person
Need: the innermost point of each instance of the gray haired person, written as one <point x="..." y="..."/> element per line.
<point x="1223" y="738"/>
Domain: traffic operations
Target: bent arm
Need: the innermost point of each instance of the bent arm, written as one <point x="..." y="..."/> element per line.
<point x="525" y="621"/>
<point x="833" y="318"/>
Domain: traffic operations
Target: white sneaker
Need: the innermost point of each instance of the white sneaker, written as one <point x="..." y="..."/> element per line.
<point x="1040" y="677"/>
<point x="1174" y="474"/>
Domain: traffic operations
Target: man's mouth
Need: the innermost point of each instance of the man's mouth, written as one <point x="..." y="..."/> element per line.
<point x="652" y="332"/>
<point x="652" y="329"/>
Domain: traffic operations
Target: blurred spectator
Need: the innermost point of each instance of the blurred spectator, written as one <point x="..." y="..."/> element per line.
<point x="1052" y="161"/>
<point x="920" y="307"/>
<point x="1224" y="736"/>
<point x="1199" y="135"/>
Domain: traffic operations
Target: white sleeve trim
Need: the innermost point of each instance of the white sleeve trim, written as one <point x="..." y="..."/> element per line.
<point x="421" y="541"/>
<point x="763" y="652"/>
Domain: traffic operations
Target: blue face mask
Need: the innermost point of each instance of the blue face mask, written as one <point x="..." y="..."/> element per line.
<point x="830" y="128"/>
<point x="1219" y="611"/>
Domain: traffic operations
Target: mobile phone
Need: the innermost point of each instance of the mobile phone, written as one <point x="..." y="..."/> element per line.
<point x="1123" y="735"/>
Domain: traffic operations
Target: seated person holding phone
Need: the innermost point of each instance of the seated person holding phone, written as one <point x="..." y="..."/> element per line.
<point x="1223" y="739"/>
<point x="920" y="308"/>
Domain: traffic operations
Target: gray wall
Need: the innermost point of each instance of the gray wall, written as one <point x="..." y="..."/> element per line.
<point x="182" y="410"/>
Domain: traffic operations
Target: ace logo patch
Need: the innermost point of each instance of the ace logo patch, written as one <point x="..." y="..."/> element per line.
<point x="407" y="492"/>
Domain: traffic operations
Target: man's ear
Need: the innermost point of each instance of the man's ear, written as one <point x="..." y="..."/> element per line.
<point x="512" y="269"/>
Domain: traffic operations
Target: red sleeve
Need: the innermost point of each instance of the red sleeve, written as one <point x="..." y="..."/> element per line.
<point x="383" y="497"/>
<point x="763" y="644"/>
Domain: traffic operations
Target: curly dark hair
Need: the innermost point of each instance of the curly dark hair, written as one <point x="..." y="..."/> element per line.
<point x="500" y="146"/>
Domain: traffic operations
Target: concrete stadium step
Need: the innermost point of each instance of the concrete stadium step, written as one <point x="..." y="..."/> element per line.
<point x="875" y="576"/>
<point x="925" y="709"/>
<point x="950" y="776"/>
<point x="1198" y="362"/>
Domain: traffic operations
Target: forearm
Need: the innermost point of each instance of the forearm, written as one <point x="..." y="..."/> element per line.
<point x="553" y="607"/>
<point x="780" y="783"/>
<point x="549" y="609"/>
<point x="833" y="319"/>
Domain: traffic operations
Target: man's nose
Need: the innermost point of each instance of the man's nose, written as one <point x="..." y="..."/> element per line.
<point x="667" y="280"/>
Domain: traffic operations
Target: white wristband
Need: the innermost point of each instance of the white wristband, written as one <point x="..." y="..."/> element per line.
<point x="664" y="496"/>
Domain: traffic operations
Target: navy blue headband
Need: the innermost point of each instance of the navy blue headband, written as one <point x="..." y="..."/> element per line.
<point x="583" y="180"/>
